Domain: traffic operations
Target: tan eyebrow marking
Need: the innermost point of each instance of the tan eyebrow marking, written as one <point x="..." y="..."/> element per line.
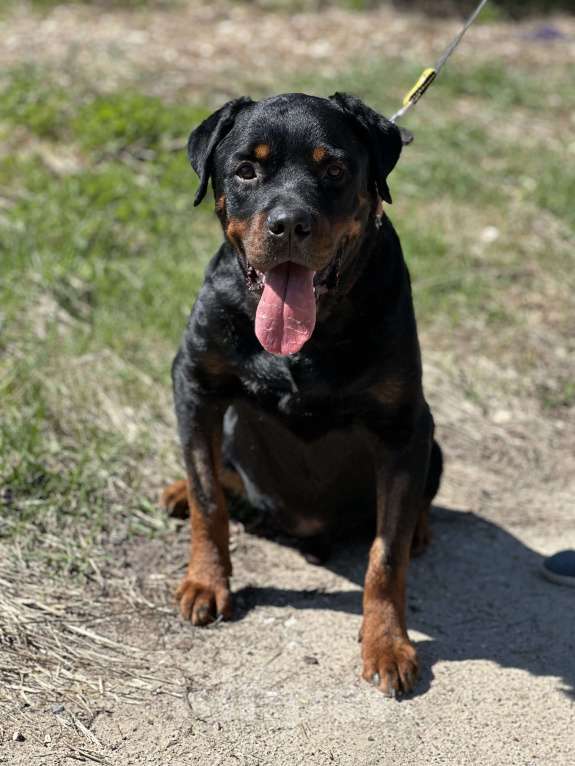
<point x="319" y="154"/>
<point x="262" y="151"/>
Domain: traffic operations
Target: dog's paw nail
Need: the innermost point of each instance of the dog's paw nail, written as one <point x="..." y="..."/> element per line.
<point x="389" y="689"/>
<point x="390" y="693"/>
<point x="410" y="680"/>
<point x="375" y="679"/>
<point x="203" y="614"/>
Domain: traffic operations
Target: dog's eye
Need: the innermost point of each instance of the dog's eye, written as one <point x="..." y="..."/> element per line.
<point x="246" y="171"/>
<point x="335" y="171"/>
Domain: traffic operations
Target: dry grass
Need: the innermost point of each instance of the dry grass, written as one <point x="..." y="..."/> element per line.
<point x="57" y="654"/>
<point x="51" y="647"/>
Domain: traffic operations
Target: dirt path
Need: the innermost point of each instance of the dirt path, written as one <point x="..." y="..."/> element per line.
<point x="280" y="685"/>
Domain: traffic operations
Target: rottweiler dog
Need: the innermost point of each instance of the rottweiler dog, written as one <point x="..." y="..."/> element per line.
<point x="299" y="375"/>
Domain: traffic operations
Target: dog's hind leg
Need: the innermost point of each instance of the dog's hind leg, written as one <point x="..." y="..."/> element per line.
<point x="434" y="472"/>
<point x="174" y="497"/>
<point x="316" y="549"/>
<point x="422" y="532"/>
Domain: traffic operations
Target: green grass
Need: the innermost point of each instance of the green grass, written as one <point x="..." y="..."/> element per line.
<point x="104" y="245"/>
<point x="559" y="396"/>
<point x="507" y="87"/>
<point x="101" y="254"/>
<point x="124" y="120"/>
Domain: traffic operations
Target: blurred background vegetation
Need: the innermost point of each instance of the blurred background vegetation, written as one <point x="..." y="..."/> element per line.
<point x="497" y="10"/>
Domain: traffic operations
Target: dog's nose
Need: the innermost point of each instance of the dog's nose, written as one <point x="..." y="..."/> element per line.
<point x="284" y="223"/>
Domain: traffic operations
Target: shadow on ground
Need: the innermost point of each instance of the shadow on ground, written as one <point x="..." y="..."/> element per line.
<point x="477" y="593"/>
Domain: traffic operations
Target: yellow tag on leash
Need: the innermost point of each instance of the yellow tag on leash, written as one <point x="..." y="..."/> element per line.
<point x="423" y="83"/>
<point x="428" y="75"/>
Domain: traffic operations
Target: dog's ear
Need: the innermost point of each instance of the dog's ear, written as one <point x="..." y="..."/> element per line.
<point x="204" y="139"/>
<point x="407" y="136"/>
<point x="382" y="136"/>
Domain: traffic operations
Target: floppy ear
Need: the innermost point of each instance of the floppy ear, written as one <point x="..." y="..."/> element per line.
<point x="407" y="136"/>
<point x="382" y="136"/>
<point x="207" y="136"/>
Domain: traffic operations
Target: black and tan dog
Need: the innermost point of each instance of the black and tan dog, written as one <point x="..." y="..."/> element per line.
<point x="300" y="367"/>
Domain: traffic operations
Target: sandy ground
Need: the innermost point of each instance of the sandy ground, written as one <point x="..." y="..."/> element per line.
<point x="280" y="684"/>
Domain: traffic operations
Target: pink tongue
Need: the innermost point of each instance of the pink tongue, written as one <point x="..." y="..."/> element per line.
<point x="285" y="317"/>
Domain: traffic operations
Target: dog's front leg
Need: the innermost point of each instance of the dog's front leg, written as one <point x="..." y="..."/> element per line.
<point x="389" y="658"/>
<point x="204" y="592"/>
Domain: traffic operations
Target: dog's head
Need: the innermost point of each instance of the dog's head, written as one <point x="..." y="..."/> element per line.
<point x="296" y="179"/>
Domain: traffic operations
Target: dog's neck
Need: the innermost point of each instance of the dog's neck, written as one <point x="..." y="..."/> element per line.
<point x="354" y="259"/>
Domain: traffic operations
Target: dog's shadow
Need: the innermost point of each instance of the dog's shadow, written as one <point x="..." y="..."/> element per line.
<point x="477" y="592"/>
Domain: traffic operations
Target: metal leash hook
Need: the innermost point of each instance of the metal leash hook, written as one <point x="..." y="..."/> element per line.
<point x="430" y="74"/>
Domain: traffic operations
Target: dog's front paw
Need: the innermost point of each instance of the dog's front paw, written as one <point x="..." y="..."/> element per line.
<point x="389" y="663"/>
<point x="203" y="601"/>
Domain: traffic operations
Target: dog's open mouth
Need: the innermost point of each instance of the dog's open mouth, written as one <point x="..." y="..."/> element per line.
<point x="285" y="316"/>
<point x="286" y="313"/>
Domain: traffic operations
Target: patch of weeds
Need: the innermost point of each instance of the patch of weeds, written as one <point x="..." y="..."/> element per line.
<point x="381" y="83"/>
<point x="37" y="101"/>
<point x="67" y="481"/>
<point x="555" y="187"/>
<point x="121" y="248"/>
<point x="492" y="13"/>
<point x="539" y="178"/>
<point x="559" y="396"/>
<point x="49" y="488"/>
<point x="446" y="162"/>
<point x="446" y="282"/>
<point x="503" y="86"/>
<point x="29" y="99"/>
<point x="131" y="119"/>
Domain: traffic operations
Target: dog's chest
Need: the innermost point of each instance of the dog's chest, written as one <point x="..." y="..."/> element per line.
<point x="291" y="383"/>
<point x="304" y="392"/>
